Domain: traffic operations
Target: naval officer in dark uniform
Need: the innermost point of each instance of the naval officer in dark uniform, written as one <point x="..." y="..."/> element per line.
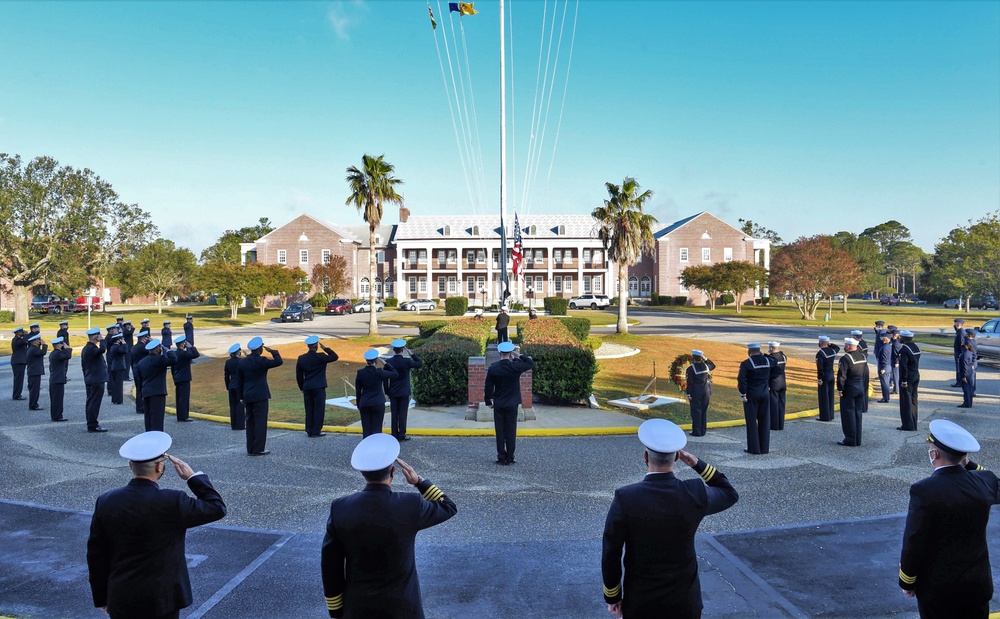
<point x="252" y="387"/>
<point x="153" y="376"/>
<point x="189" y="329"/>
<point x="58" y="364"/>
<point x="909" y="381"/>
<point x="18" y="361"/>
<point x="863" y="348"/>
<point x="752" y="381"/>
<point x="825" y="378"/>
<point x="369" y="393"/>
<point x="777" y="385"/>
<point x="135" y="552"/>
<point x="137" y="354"/>
<point x="883" y="363"/>
<point x="117" y="367"/>
<point x="63" y="331"/>
<point x="398" y="389"/>
<point x="237" y="414"/>
<point x="310" y="376"/>
<point x="966" y="373"/>
<point x="945" y="561"/>
<point x="852" y="383"/>
<point x="95" y="375"/>
<point x="128" y="333"/>
<point x="503" y="395"/>
<point x="503" y="322"/>
<point x="655" y="522"/>
<point x="166" y="335"/>
<point x="959" y="327"/>
<point x="181" y="373"/>
<point x="367" y="560"/>
<point x="698" y="388"/>
<point x="35" y="369"/>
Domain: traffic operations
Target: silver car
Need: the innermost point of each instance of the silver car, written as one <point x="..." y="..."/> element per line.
<point x="988" y="340"/>
<point x="364" y="306"/>
<point x="418" y="304"/>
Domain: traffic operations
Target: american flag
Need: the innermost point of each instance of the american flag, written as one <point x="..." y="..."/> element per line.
<point x="517" y="255"/>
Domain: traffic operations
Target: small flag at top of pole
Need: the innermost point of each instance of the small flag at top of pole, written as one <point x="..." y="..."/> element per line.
<point x="462" y="8"/>
<point x="434" y="24"/>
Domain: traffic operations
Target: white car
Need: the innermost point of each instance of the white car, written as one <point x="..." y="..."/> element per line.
<point x="363" y="306"/>
<point x="418" y="304"/>
<point x="593" y="301"/>
<point x="988" y="339"/>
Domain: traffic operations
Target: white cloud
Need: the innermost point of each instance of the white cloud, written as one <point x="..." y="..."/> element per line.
<point x="344" y="16"/>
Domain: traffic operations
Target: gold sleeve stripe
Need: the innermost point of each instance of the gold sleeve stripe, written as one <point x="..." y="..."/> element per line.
<point x="613" y="592"/>
<point x="708" y="473"/>
<point x="335" y="603"/>
<point x="907" y="579"/>
<point x="433" y="494"/>
<point x="980" y="467"/>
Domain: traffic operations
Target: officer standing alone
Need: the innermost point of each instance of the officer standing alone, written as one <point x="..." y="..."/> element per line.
<point x="503" y="321"/>
<point x="752" y="381"/>
<point x="310" y="376"/>
<point x="698" y="389"/>
<point x="503" y="395"/>
<point x="58" y="364"/>
<point x="398" y="389"/>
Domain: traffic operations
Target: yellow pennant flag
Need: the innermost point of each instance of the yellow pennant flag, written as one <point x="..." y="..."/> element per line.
<point x="465" y="8"/>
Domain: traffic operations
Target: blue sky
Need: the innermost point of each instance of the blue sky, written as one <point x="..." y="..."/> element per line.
<point x="807" y="117"/>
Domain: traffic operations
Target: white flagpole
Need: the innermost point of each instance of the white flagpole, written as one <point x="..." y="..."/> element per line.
<point x="505" y="281"/>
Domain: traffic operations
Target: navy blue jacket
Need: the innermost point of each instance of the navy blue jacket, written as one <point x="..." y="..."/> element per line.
<point x="95" y="370"/>
<point x="824" y="362"/>
<point x="58" y="364"/>
<point x="153" y="373"/>
<point x="251" y="377"/>
<point x="400" y="387"/>
<point x="852" y="373"/>
<point x="189" y="333"/>
<point x="909" y="363"/>
<point x="959" y="340"/>
<point x="368" y="385"/>
<point x="966" y="365"/>
<point x="503" y="381"/>
<point x="139" y="353"/>
<point x="36" y="359"/>
<point x="128" y="333"/>
<point x="18" y="350"/>
<point x="181" y="370"/>
<point x="699" y="377"/>
<point x="117" y="356"/>
<point x="777" y="380"/>
<point x="310" y="369"/>
<point x="229" y="372"/>
<point x="884" y="358"/>
<point x="754" y="375"/>
<point x="166" y="337"/>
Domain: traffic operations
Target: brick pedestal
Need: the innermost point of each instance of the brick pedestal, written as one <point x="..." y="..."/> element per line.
<point x="476" y="409"/>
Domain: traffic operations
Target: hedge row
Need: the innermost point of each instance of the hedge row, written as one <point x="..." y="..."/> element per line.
<point x="443" y="379"/>
<point x="429" y="327"/>
<point x="564" y="366"/>
<point x="455" y="306"/>
<point x="579" y="327"/>
<point x="556" y="306"/>
<point x="663" y="299"/>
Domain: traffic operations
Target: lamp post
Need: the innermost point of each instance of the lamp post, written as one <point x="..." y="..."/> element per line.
<point x="531" y="295"/>
<point x="482" y="291"/>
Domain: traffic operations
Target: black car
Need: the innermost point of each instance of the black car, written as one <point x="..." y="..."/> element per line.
<point x="985" y="303"/>
<point x="297" y="312"/>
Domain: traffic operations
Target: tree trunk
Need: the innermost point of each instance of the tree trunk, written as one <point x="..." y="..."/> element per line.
<point x="845" y="305"/>
<point x="233" y="307"/>
<point x="372" y="320"/>
<point x="622" y="326"/>
<point x="159" y="302"/>
<point x="22" y="303"/>
<point x="711" y="302"/>
<point x="739" y="303"/>
<point x="262" y="302"/>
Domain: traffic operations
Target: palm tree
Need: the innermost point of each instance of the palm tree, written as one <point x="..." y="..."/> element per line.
<point x="372" y="185"/>
<point x="626" y="232"/>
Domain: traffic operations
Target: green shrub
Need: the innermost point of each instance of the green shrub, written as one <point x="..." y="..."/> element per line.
<point x="443" y="379"/>
<point x="429" y="327"/>
<point x="391" y="302"/>
<point x="564" y="366"/>
<point x="516" y="307"/>
<point x="726" y="298"/>
<point x="665" y="299"/>
<point x="6" y="316"/>
<point x="579" y="327"/>
<point x="680" y="301"/>
<point x="221" y="301"/>
<point x="319" y="300"/>
<point x="765" y="300"/>
<point x="654" y="298"/>
<point x="415" y="342"/>
<point x="556" y="306"/>
<point x="455" y="306"/>
<point x="593" y="343"/>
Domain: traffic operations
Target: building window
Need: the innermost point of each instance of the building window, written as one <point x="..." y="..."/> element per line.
<point x="447" y="230"/>
<point x="326" y="256"/>
<point x="561" y="231"/>
<point x="539" y="256"/>
<point x="586" y="284"/>
<point x="378" y="239"/>
<point x="633" y="285"/>
<point x="388" y="287"/>
<point x="597" y="256"/>
<point x="470" y="257"/>
<point x="452" y="256"/>
<point x="364" y="289"/>
<point x="442" y="256"/>
<point x="303" y="256"/>
<point x="684" y="254"/>
<point x="282" y="257"/>
<point x="597" y="282"/>
<point x="470" y="286"/>
<point x="706" y="254"/>
<point x="496" y="258"/>
<point x="645" y="286"/>
<point x="441" y="284"/>
<point x="528" y="258"/>
<point x="423" y="284"/>
<point x="481" y="256"/>
<point x="380" y="257"/>
<point x="682" y="287"/>
<point x="413" y="285"/>
<point x="557" y="282"/>
<point x="557" y="256"/>
<point x="411" y="257"/>
<point x="586" y="256"/>
<point x="452" y="284"/>
<point x="422" y="256"/>
<point x="727" y="254"/>
<point x="532" y="230"/>
<point x="378" y="288"/>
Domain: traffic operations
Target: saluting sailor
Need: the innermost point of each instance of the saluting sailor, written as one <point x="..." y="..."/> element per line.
<point x="502" y="393"/>
<point x="35" y="369"/>
<point x="137" y="354"/>
<point x="655" y="522"/>
<point x="368" y="564"/>
<point x="63" y="331"/>
<point x="254" y="392"/>
<point x="863" y="348"/>
<point x="909" y="381"/>
<point x="18" y="361"/>
<point x="945" y="560"/>
<point x="181" y="373"/>
<point x="58" y="364"/>
<point x="310" y="376"/>
<point x="95" y="375"/>
<point x="189" y="329"/>
<point x="370" y="394"/>
<point x="112" y="330"/>
<point x="166" y="335"/>
<point x="398" y="389"/>
<point x="237" y="414"/>
<point x="852" y="383"/>
<point x="752" y="381"/>
<point x="777" y="386"/>
<point x="117" y="367"/>
<point x="153" y="372"/>
<point x="698" y="376"/>
<point x="824" y="376"/>
<point x="128" y="332"/>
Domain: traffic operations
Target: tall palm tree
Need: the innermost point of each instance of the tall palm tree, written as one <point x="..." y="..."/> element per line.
<point x="372" y="185"/>
<point x="626" y="232"/>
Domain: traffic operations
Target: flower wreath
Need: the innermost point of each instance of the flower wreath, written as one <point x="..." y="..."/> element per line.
<point x="677" y="374"/>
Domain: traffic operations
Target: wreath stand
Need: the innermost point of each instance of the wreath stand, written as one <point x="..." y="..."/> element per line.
<point x="643" y="401"/>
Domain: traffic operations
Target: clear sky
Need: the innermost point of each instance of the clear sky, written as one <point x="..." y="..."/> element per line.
<point x="806" y="117"/>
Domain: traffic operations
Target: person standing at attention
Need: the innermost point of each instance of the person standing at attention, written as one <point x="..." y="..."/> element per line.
<point x="181" y="373"/>
<point x="370" y="394"/>
<point x="852" y="383"/>
<point x="503" y="321"/>
<point x="777" y="386"/>
<point x="752" y="381"/>
<point x="824" y="376"/>
<point x="699" y="391"/>
<point x="251" y="382"/>
<point x="909" y="381"/>
<point x="237" y="414"/>
<point x="398" y="389"/>
<point x="58" y="365"/>
<point x="655" y="522"/>
<point x="310" y="375"/>
<point x="18" y="361"/>
<point x="95" y="375"/>
<point x="503" y="395"/>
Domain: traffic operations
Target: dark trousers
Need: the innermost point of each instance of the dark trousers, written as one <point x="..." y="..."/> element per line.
<point x="952" y="607"/>
<point x="182" y="400"/>
<point x="116" y="386"/>
<point x="757" y="411"/>
<point x="372" y="418"/>
<point x="399" y="407"/>
<point x="237" y="414"/>
<point x="56" y="392"/>
<point x="140" y="403"/>
<point x="95" y="393"/>
<point x="315" y="403"/>
<point x="34" y="387"/>
<point x="154" y="409"/>
<point x="699" y="410"/>
<point x="908" y="405"/>
<point x="851" y="405"/>
<point x="778" y="409"/>
<point x="502" y="335"/>
<point x="895" y="378"/>
<point x="968" y="389"/>
<point x="958" y="368"/>
<point x="505" y="425"/>
<point x="174" y="615"/>
<point x="257" y="426"/>
<point x="19" y="378"/>
<point x="826" y="400"/>
<point x="883" y="381"/>
<point x="128" y="362"/>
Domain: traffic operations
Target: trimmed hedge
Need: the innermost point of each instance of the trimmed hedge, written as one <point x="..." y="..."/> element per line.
<point x="579" y="327"/>
<point x="443" y="379"/>
<point x="391" y="302"/>
<point x="455" y="306"/>
<point x="556" y="306"/>
<point x="564" y="366"/>
<point x="429" y="327"/>
<point x="680" y="300"/>
<point x="726" y="298"/>
<point x="6" y="316"/>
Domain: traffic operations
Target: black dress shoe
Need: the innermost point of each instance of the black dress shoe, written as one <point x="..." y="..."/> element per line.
<point x="261" y="453"/>
<point x="185" y="420"/>
<point x="881" y="401"/>
<point x="35" y="408"/>
<point x="845" y="444"/>
<point x="963" y="406"/>
<point x="61" y="419"/>
<point x="317" y="435"/>
<point x="511" y="461"/>
<point x="501" y="462"/>
<point x="20" y="398"/>
<point x="97" y="429"/>
<point x="405" y="438"/>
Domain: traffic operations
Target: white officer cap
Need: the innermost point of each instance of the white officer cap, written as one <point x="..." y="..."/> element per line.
<point x="58" y="340"/>
<point x="34" y="337"/>
<point x="117" y="336"/>
<point x="312" y="339"/>
<point x="146" y="446"/>
<point x="113" y="325"/>
<point x="189" y="316"/>
<point x="399" y="343"/>
<point x="662" y="436"/>
<point x="774" y="344"/>
<point x="255" y="343"/>
<point x="697" y="353"/>
<point x="753" y="346"/>
<point x="142" y="334"/>
<point x="145" y="320"/>
<point x="850" y="341"/>
<point x="180" y="338"/>
<point x="906" y="333"/>
<point x="370" y="355"/>
<point x="824" y="338"/>
<point x="166" y="322"/>
<point x="857" y="332"/>
<point x="234" y="348"/>
<point x="152" y="344"/>
<point x="18" y="330"/>
<point x="375" y="453"/>
<point x="952" y="437"/>
<point x="33" y="325"/>
<point x="64" y="322"/>
<point x="93" y="331"/>
<point x="505" y="347"/>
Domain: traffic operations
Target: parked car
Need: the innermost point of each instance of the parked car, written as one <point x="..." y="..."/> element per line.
<point x="339" y="307"/>
<point x="988" y="340"/>
<point x="593" y="301"/>
<point x="985" y="303"/>
<point x="838" y="297"/>
<point x="887" y="300"/>
<point x="364" y="307"/>
<point x="917" y="300"/>
<point x="866" y="296"/>
<point x="953" y="304"/>
<point x="418" y="304"/>
<point x="298" y="312"/>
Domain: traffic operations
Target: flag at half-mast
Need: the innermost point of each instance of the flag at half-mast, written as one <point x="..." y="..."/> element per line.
<point x="434" y="24"/>
<point x="462" y="8"/>
<point x="517" y="254"/>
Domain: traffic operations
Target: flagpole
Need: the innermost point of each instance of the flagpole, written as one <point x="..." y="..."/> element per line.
<point x="503" y="165"/>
